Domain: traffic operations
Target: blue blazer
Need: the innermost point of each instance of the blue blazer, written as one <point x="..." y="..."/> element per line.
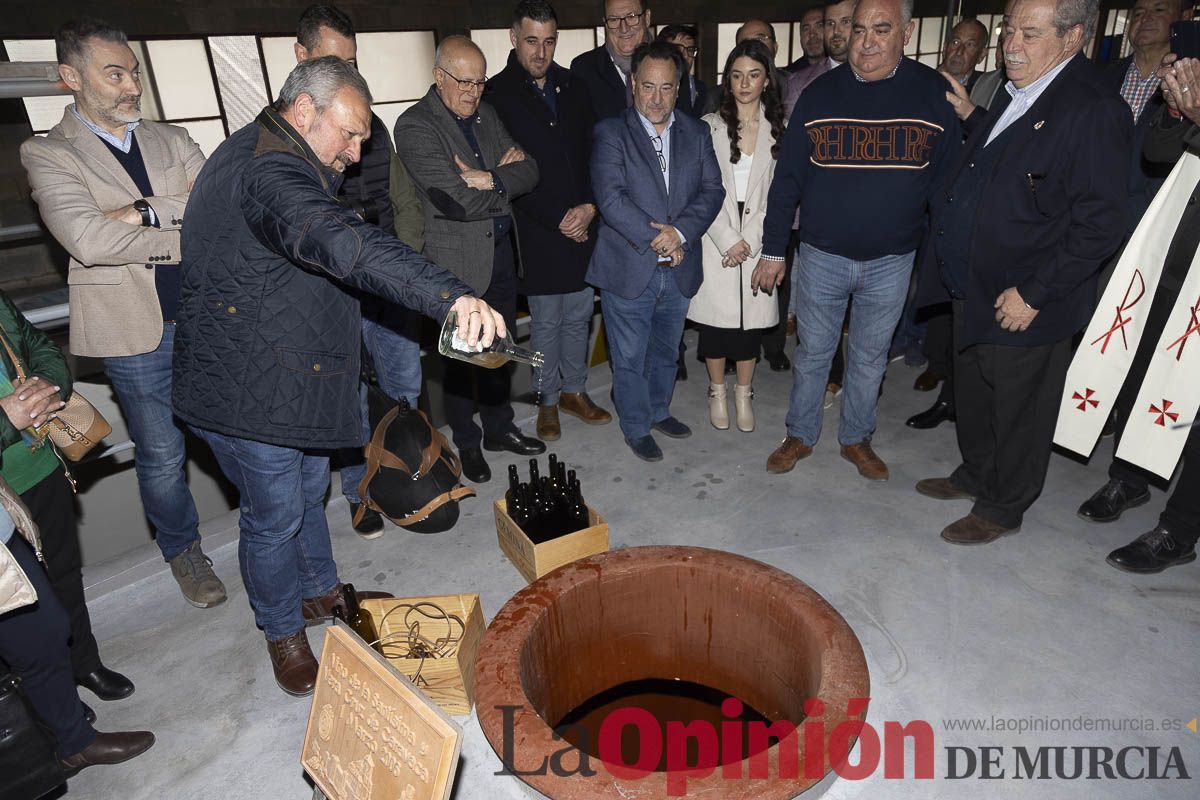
<point x="630" y="194"/>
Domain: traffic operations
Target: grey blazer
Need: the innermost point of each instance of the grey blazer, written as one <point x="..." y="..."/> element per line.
<point x="458" y="221"/>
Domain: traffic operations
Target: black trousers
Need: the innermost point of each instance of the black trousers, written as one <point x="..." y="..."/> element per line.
<point x="939" y="349"/>
<point x="1182" y="514"/>
<point x="1007" y="401"/>
<point x="463" y="383"/>
<point x="33" y="642"/>
<point x="773" y="337"/>
<point x="52" y="506"/>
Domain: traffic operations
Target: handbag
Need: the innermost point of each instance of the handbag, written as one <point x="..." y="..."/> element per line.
<point x="77" y="427"/>
<point x="28" y="764"/>
<point x="412" y="474"/>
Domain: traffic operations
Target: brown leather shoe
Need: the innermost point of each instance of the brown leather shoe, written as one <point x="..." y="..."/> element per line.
<point x="318" y="608"/>
<point x="578" y="404"/>
<point x="942" y="489"/>
<point x="975" y="530"/>
<point x="294" y="664"/>
<point x="790" y="451"/>
<point x="927" y="381"/>
<point x="790" y="328"/>
<point x="548" y="427"/>
<point x="870" y="466"/>
<point x="108" y="748"/>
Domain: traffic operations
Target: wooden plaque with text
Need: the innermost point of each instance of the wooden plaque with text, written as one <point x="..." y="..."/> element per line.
<point x="371" y="734"/>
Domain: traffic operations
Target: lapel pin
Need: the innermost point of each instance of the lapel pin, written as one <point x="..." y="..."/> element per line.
<point x="1037" y="126"/>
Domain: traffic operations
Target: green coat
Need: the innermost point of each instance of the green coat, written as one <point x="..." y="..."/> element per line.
<point x="40" y="356"/>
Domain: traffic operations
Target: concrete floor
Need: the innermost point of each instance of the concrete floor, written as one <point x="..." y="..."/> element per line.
<point x="1033" y="625"/>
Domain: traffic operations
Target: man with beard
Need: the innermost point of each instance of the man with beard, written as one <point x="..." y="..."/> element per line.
<point x="111" y="188"/>
<point x="549" y="116"/>
<point x="812" y="40"/>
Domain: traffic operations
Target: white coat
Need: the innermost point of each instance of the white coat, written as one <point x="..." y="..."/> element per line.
<point x="725" y="299"/>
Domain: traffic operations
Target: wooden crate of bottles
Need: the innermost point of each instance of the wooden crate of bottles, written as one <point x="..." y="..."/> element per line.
<point x="533" y="560"/>
<point x="448" y="681"/>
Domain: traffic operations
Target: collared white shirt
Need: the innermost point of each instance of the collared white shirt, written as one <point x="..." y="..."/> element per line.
<point x="832" y="62"/>
<point x="1022" y="100"/>
<point x="121" y="144"/>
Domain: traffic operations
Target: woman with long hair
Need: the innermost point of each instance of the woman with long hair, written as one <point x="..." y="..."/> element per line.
<point x="746" y="131"/>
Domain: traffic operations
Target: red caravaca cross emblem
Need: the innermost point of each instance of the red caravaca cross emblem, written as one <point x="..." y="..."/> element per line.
<point x="1121" y="320"/>
<point x="1085" y="399"/>
<point x="1164" y="413"/>
<point x="1193" y="327"/>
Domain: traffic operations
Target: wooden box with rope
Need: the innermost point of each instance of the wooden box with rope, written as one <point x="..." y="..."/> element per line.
<point x="432" y="641"/>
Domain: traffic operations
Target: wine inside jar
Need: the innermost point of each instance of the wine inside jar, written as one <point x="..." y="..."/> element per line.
<point x="497" y="354"/>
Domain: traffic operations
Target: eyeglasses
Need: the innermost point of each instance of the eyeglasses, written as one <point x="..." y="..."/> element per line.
<point x="691" y="51"/>
<point x="629" y="20"/>
<point x="465" y="85"/>
<point x="658" y="151"/>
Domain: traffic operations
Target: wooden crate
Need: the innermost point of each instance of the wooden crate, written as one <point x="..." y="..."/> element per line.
<point x="535" y="560"/>
<point x="449" y="682"/>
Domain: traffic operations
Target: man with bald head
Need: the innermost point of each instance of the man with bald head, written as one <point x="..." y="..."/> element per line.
<point x="467" y="169"/>
<point x="965" y="51"/>
<point x="605" y="71"/>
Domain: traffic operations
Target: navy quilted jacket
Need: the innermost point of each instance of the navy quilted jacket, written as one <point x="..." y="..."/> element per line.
<point x="267" y="342"/>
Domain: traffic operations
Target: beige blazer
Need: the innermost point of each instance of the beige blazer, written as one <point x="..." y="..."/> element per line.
<point x="725" y="299"/>
<point x="76" y="179"/>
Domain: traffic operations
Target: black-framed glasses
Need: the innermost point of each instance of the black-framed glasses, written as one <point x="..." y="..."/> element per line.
<point x="691" y="51"/>
<point x="658" y="151"/>
<point x="464" y="84"/>
<point x="630" y="20"/>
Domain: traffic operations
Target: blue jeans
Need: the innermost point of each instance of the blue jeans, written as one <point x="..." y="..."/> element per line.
<point x="643" y="346"/>
<point x="284" y="548"/>
<point x="825" y="284"/>
<point x="559" y="331"/>
<point x="143" y="387"/>
<point x="392" y="336"/>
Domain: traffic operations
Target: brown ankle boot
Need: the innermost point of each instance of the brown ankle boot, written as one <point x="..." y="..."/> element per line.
<point x="294" y="665"/>
<point x="790" y="451"/>
<point x="578" y="404"/>
<point x="548" y="427"/>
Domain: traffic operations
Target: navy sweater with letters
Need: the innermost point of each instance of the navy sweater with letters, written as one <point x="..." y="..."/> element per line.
<point x="861" y="160"/>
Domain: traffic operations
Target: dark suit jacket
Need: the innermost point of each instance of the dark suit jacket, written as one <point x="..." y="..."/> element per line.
<point x="693" y="108"/>
<point x="1145" y="177"/>
<point x="1049" y="242"/>
<point x="595" y="70"/>
<point x="629" y="189"/>
<point x="561" y="145"/>
<point x="458" y="219"/>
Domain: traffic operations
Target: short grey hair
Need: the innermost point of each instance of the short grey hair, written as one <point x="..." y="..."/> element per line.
<point x="906" y="9"/>
<point x="1069" y="13"/>
<point x="321" y="79"/>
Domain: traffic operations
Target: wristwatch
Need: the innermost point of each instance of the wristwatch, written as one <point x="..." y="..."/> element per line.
<point x="144" y="209"/>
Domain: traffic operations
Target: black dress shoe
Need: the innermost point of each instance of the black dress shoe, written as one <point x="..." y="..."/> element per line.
<point x="1111" y="501"/>
<point x="108" y="748"/>
<point x="474" y="468"/>
<point x="89" y="716"/>
<point x="514" y="442"/>
<point x="939" y="412"/>
<point x="1152" y="552"/>
<point x="778" y="362"/>
<point x="106" y="684"/>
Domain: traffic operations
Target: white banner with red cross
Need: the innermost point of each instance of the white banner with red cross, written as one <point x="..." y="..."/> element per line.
<point x="1169" y="397"/>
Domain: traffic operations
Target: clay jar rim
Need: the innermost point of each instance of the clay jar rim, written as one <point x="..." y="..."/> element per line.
<point x="843" y="676"/>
